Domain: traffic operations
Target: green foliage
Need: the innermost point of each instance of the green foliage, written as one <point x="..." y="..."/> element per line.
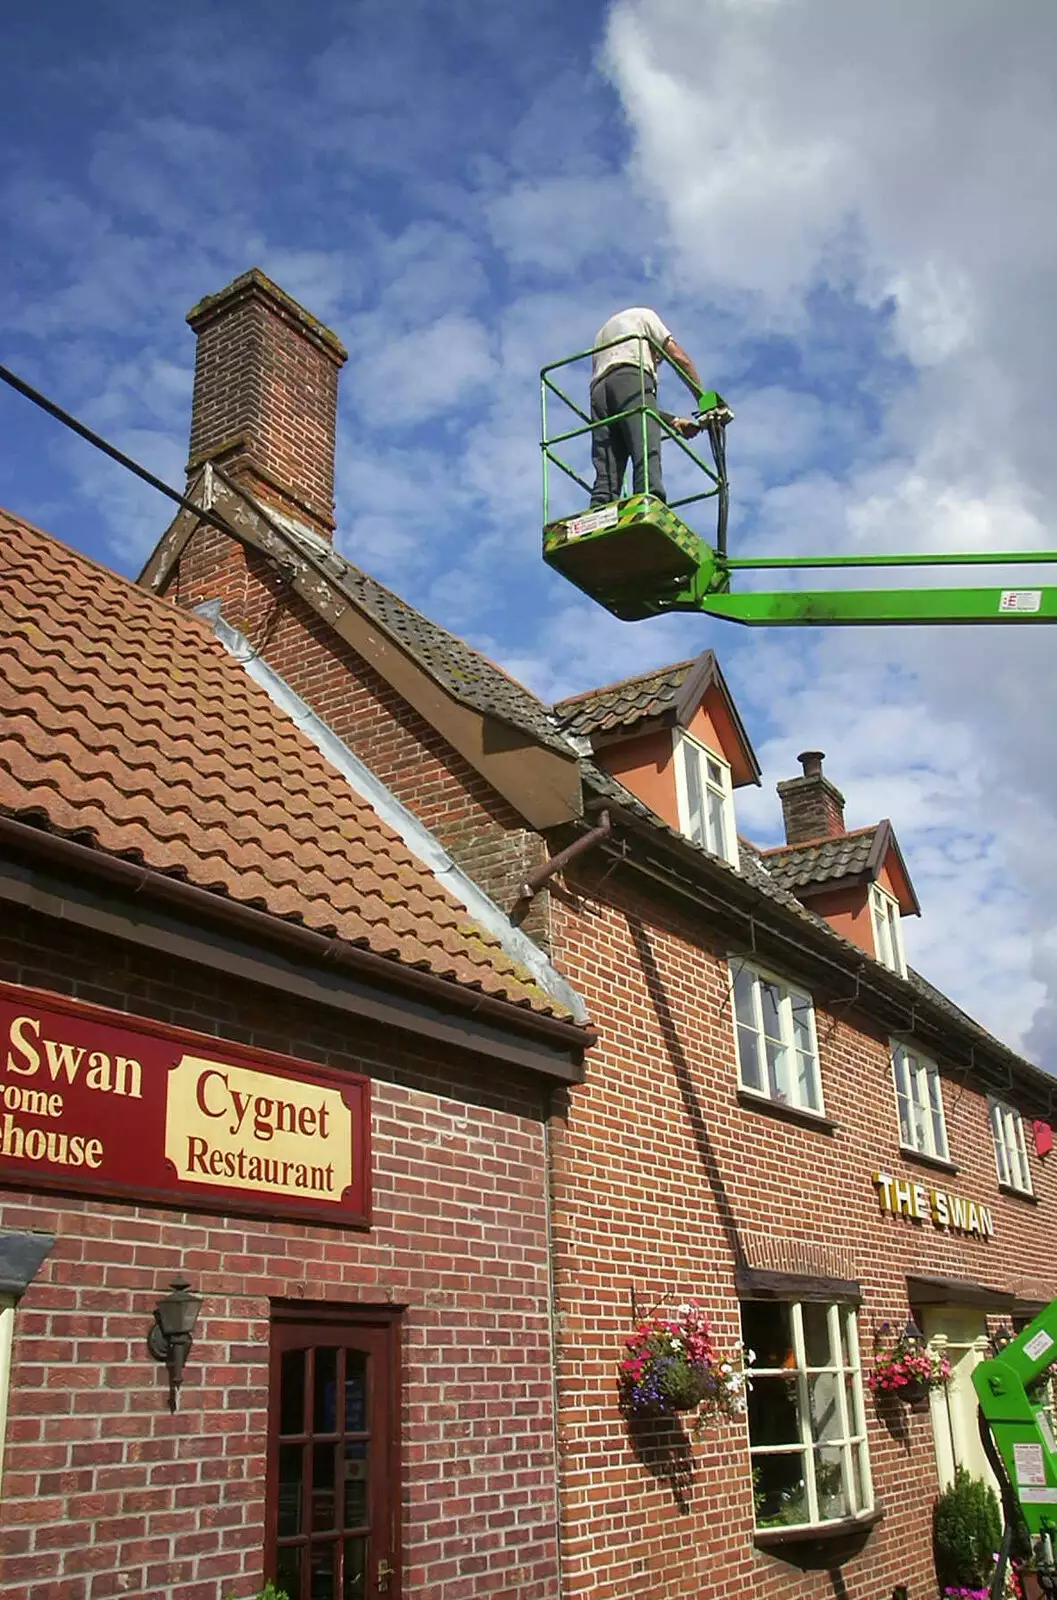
<point x="967" y="1528"/>
<point x="269" y="1592"/>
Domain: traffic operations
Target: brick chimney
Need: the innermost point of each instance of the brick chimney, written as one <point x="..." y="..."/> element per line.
<point x="812" y="807"/>
<point x="266" y="397"/>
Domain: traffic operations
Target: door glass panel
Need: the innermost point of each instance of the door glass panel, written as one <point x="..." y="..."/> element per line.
<point x="324" y="1410"/>
<point x="324" y="1507"/>
<point x="292" y="1392"/>
<point x="355" y="1585"/>
<point x="321" y="1568"/>
<point x="328" y="1400"/>
<point x="355" y="1392"/>
<point x="290" y="1476"/>
<point x="288" y="1571"/>
<point x="355" y="1483"/>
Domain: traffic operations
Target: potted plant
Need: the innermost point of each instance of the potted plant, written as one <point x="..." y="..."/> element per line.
<point x="905" y="1366"/>
<point x="967" y="1529"/>
<point x="671" y="1365"/>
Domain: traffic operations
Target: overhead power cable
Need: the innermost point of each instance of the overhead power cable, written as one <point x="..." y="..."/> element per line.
<point x="108" y="449"/>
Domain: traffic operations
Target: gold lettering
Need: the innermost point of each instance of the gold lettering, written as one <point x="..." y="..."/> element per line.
<point x="940" y="1211"/>
<point x="18" y="1040"/>
<point x="921" y="1206"/>
<point x="884" y="1188"/>
<point x="99" y="1074"/>
<point x="64" y="1058"/>
<point x="128" y="1078"/>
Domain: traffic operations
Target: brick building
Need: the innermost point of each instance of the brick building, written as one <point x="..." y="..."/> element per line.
<point x="776" y="1116"/>
<point x="257" y="1030"/>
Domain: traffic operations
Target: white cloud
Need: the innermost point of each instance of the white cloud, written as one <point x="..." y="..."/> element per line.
<point x="899" y="159"/>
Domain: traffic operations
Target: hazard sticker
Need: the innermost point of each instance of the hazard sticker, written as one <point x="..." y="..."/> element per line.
<point x="1028" y="1464"/>
<point x="578" y="526"/>
<point x="1020" y="600"/>
<point x="1038" y="1345"/>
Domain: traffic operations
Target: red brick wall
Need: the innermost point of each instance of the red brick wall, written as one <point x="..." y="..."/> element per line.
<point x="106" y="1493"/>
<point x="660" y="1175"/>
<point x="481" y="830"/>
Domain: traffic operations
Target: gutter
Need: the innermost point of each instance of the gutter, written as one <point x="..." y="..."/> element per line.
<point x="917" y="1013"/>
<point x="318" y="949"/>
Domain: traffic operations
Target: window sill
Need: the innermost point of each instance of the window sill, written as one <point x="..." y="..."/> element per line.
<point x="1018" y="1194"/>
<point x="924" y="1159"/>
<point x="786" y="1113"/>
<point x="815" y="1532"/>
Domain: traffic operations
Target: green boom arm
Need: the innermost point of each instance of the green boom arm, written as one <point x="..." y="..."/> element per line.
<point x="1007" y="1387"/>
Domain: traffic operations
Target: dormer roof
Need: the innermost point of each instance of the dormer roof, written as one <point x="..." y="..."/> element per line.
<point x="667" y="697"/>
<point x="857" y="857"/>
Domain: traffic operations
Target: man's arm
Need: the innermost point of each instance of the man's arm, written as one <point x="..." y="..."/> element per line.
<point x="679" y="358"/>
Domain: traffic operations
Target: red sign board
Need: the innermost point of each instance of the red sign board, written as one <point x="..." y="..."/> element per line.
<point x="96" y="1101"/>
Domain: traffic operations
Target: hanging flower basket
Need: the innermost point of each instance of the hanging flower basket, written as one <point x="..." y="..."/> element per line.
<point x="906" y="1367"/>
<point x="671" y="1366"/>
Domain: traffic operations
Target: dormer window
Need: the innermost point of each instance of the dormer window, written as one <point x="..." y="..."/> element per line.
<point x="887" y="930"/>
<point x="706" y="800"/>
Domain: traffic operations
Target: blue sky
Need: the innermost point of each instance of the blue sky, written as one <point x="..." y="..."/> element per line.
<point x="844" y="216"/>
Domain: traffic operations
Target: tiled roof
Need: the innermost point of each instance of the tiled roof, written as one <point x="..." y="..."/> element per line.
<point x="123" y="723"/>
<point x="822" y="860"/>
<point x="467" y="675"/>
<point x="621" y="705"/>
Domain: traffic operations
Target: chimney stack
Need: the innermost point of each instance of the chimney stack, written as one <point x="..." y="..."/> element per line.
<point x="266" y="397"/>
<point x="812" y="807"/>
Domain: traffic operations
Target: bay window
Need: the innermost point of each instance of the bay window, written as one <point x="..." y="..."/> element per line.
<point x="807" y="1421"/>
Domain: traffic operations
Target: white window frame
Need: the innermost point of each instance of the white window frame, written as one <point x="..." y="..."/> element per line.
<point x="845" y="1381"/>
<point x="887" y="925"/>
<point x="7" y="1329"/>
<point x="917" y="1085"/>
<point x="700" y="824"/>
<point x="775" y="1076"/>
<point x="1011" y="1149"/>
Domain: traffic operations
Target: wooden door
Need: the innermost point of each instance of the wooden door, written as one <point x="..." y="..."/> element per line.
<point x="333" y="1454"/>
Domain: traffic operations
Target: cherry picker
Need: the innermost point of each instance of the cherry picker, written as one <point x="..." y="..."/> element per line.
<point x="638" y="558"/>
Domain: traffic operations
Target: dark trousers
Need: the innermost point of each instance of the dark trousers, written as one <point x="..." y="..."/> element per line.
<point x="612" y="445"/>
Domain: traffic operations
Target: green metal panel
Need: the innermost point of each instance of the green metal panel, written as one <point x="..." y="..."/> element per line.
<point x="866" y="606"/>
<point x="649" y="557"/>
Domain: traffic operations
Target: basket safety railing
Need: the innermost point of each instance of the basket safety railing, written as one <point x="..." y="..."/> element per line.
<point x="715" y="471"/>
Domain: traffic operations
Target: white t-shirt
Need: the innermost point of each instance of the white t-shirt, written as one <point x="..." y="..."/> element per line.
<point x="636" y="320"/>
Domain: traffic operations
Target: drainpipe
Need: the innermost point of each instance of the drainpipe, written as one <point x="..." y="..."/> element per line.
<point x="543" y="874"/>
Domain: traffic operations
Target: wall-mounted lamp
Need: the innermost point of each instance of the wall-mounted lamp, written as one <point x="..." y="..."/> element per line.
<point x="913" y="1333"/>
<point x="170" y="1338"/>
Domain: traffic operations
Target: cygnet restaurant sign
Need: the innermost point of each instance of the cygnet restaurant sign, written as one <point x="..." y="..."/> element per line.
<point x="95" y="1101"/>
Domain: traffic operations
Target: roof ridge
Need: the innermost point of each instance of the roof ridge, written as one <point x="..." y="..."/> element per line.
<point x="623" y="683"/>
<point x="822" y="838"/>
<point x="496" y="666"/>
